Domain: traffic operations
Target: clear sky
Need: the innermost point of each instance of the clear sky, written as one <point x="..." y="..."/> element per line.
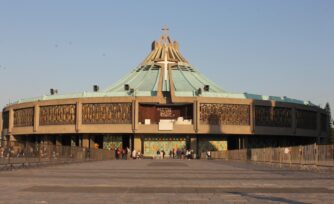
<point x="282" y="48"/>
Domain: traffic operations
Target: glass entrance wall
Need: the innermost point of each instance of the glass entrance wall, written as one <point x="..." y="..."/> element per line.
<point x="212" y="143"/>
<point x="152" y="144"/>
<point x="112" y="141"/>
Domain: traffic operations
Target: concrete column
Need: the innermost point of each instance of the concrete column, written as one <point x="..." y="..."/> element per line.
<point x="239" y="142"/>
<point x="131" y="143"/>
<point x="80" y="141"/>
<point x="10" y="137"/>
<point x="58" y="140"/>
<point x="135" y="111"/>
<point x="252" y="117"/>
<point x="246" y="141"/>
<point x="318" y="127"/>
<point x="197" y="112"/>
<point x="294" y="121"/>
<point x="78" y="119"/>
<point x="73" y="142"/>
<point x="195" y="107"/>
<point x="194" y="144"/>
<point x="36" y="118"/>
<point x="137" y="143"/>
<point x="11" y="121"/>
<point x="91" y="141"/>
<point x="85" y="141"/>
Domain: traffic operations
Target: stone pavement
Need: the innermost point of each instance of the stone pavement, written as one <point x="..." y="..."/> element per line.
<point x="166" y="181"/>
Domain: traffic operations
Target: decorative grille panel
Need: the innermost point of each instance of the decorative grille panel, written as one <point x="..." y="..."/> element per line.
<point x="306" y="119"/>
<point x="225" y="114"/>
<point x="107" y="113"/>
<point x="273" y="116"/>
<point x="57" y="115"/>
<point x="24" y="117"/>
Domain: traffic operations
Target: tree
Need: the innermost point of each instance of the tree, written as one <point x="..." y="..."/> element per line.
<point x="331" y="130"/>
<point x="328" y="111"/>
<point x="332" y="138"/>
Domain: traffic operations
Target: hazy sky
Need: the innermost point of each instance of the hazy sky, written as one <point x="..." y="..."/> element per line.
<point x="282" y="48"/>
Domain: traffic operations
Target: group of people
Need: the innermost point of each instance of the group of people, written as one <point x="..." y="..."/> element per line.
<point x="125" y="153"/>
<point x="122" y="153"/>
<point x="4" y="152"/>
<point x="177" y="154"/>
<point x="136" y="154"/>
<point x="41" y="151"/>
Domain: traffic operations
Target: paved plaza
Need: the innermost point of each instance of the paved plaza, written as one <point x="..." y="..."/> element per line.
<point x="166" y="181"/>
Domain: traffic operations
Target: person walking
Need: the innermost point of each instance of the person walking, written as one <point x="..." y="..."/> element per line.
<point x="124" y="154"/>
<point x="139" y="156"/>
<point x="162" y="154"/>
<point x="119" y="153"/>
<point x="188" y="154"/>
<point x="128" y="151"/>
<point x="192" y="154"/>
<point x="179" y="153"/>
<point x="170" y="154"/>
<point x="134" y="154"/>
<point x="208" y="154"/>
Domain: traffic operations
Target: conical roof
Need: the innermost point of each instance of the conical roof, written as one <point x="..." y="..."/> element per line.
<point x="163" y="68"/>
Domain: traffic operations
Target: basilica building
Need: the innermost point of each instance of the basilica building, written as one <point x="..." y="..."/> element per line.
<point x="164" y="103"/>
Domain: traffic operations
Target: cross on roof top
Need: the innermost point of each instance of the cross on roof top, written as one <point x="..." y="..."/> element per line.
<point x="165" y="35"/>
<point x="165" y="29"/>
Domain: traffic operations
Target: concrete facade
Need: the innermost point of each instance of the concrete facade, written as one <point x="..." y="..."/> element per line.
<point x="136" y="128"/>
<point x="194" y="130"/>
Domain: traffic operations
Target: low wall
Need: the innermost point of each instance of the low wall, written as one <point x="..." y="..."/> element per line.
<point x="319" y="155"/>
<point x="31" y="154"/>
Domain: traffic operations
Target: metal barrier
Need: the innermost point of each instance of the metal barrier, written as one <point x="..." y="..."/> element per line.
<point x="17" y="154"/>
<point x="318" y="155"/>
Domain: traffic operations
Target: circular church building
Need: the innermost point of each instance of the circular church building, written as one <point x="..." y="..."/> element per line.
<point x="163" y="104"/>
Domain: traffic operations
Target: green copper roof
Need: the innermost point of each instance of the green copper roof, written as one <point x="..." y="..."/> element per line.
<point x="164" y="59"/>
<point x="144" y="80"/>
